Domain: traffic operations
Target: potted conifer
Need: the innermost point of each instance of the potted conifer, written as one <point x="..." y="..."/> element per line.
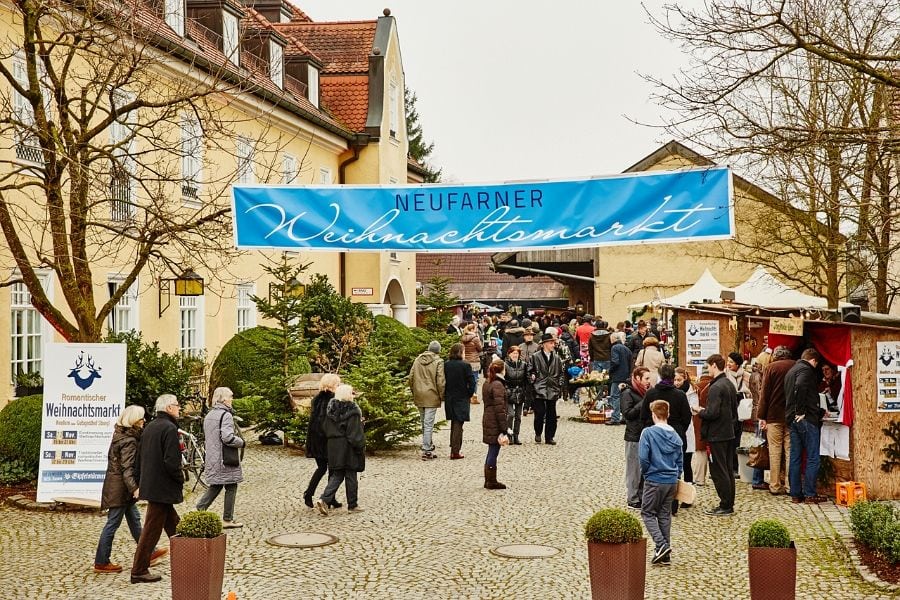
<point x="617" y="555"/>
<point x="198" y="557"/>
<point x="772" y="561"/>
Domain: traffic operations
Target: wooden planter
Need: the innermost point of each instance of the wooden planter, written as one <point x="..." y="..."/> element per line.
<point x="773" y="573"/>
<point x="198" y="567"/>
<point x="618" y="571"/>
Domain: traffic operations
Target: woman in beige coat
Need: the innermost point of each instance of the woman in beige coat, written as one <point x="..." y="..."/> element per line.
<point x="651" y="357"/>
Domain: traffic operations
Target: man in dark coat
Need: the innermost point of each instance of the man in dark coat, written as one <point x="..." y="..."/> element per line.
<point x="770" y="413"/>
<point x="161" y="481"/>
<point x="619" y="372"/>
<point x="803" y="415"/>
<point x="459" y="387"/>
<point x="718" y="430"/>
<point x="599" y="347"/>
<point x="513" y="335"/>
<point x="548" y="379"/>
<point x="636" y="340"/>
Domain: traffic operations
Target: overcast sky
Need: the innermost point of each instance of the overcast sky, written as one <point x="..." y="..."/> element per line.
<point x="521" y="89"/>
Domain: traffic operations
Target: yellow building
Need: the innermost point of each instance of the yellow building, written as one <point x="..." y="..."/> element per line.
<point x="304" y="103"/>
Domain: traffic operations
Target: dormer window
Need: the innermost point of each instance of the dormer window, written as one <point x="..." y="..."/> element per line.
<point x="276" y="63"/>
<point x="230" y="40"/>
<point x="312" y="78"/>
<point x="175" y="15"/>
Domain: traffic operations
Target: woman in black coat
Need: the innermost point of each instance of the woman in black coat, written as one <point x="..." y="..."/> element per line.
<point x="493" y="422"/>
<point x="315" y="434"/>
<point x="459" y="387"/>
<point x="516" y="388"/>
<point x="346" y="449"/>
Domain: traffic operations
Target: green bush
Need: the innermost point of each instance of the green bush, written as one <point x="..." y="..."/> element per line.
<point x="401" y="344"/>
<point x="20" y="431"/>
<point x="876" y="525"/>
<point x="890" y="543"/>
<point x="769" y="533"/>
<point x="199" y="524"/>
<point x="296" y="428"/>
<point x="613" y="526"/>
<point x="16" y="471"/>
<point x="250" y="408"/>
<point x="245" y="363"/>
<point x="150" y="372"/>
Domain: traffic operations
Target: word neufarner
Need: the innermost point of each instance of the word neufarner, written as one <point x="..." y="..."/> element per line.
<point x="475" y="200"/>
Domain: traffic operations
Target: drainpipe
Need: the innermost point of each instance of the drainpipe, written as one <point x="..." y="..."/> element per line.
<point x="359" y="141"/>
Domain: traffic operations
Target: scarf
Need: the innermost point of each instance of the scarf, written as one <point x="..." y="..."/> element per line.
<point x="668" y="382"/>
<point x="638" y="387"/>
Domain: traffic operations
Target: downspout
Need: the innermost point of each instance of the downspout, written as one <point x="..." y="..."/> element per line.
<point x="359" y="141"/>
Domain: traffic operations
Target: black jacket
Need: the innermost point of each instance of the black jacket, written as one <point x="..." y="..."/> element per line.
<point x="516" y="380"/>
<point x="121" y="468"/>
<point x="346" y="439"/>
<point x="512" y="336"/>
<point x="549" y="378"/>
<point x="631" y="405"/>
<point x="679" y="409"/>
<point x="459" y="387"/>
<point x="567" y="339"/>
<point x="620" y="362"/>
<point x="599" y="345"/>
<point x="160" y="461"/>
<point x="316" y="443"/>
<point x="720" y="413"/>
<point x="801" y="394"/>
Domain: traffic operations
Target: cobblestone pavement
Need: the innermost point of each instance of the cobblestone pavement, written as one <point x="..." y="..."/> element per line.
<point x="428" y="528"/>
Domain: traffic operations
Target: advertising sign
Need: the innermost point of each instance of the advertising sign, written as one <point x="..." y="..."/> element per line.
<point x="887" y="373"/>
<point x="84" y="394"/>
<point x="691" y="204"/>
<point x="786" y="326"/>
<point x="702" y="341"/>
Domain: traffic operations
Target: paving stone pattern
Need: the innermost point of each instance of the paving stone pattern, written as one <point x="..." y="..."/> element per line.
<point x="428" y="528"/>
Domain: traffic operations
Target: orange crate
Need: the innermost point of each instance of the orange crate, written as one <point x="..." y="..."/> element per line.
<point x="847" y="493"/>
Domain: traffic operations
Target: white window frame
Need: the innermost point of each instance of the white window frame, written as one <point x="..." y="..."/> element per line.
<point x="288" y="168"/>
<point x="231" y="46"/>
<point x="127" y="307"/>
<point x="312" y="84"/>
<point x="325" y="176"/>
<point x="244" y="154"/>
<point x="121" y="130"/>
<point x="191" y="159"/>
<point x="37" y="327"/>
<point x="27" y="148"/>
<point x="276" y="63"/>
<point x="394" y="110"/>
<point x="246" y="308"/>
<point x="174" y="15"/>
<point x="191" y="325"/>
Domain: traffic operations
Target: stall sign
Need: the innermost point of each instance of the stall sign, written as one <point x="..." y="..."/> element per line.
<point x="702" y="341"/>
<point x="786" y="326"/>
<point x="887" y="373"/>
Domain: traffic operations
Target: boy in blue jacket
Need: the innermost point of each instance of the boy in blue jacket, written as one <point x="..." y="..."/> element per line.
<point x="661" y="455"/>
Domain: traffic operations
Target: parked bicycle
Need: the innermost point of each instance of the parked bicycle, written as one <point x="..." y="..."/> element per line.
<point x="193" y="454"/>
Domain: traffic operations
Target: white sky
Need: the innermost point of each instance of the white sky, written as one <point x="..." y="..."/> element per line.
<point x="522" y="89"/>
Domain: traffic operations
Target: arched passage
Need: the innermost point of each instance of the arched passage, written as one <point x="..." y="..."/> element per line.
<point x="396" y="299"/>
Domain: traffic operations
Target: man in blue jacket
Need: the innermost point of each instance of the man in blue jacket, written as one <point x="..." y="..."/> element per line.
<point x="661" y="453"/>
<point x="619" y="373"/>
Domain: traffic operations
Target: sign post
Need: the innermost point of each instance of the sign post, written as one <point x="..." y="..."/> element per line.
<point x="84" y="394"/>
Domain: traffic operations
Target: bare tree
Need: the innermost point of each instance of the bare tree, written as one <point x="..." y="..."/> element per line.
<point x="107" y="117"/>
<point x="764" y="94"/>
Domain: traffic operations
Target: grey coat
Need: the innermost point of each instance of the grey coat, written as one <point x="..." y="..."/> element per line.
<point x="215" y="472"/>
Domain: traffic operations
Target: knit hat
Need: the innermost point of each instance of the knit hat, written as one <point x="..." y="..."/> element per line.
<point x="549" y="331"/>
<point x="435" y="347"/>
<point x="737" y="358"/>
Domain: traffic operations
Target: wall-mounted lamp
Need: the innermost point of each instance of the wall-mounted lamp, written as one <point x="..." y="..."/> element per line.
<point x="188" y="283"/>
<point x="292" y="289"/>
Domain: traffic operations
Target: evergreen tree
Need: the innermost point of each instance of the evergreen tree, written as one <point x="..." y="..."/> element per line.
<point x="336" y="327"/>
<point x="438" y="298"/>
<point x="419" y="149"/>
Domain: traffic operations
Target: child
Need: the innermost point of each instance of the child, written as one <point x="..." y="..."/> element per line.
<point x="662" y="459"/>
<point x="346" y="449"/>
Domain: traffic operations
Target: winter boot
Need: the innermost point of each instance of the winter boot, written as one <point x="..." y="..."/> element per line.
<point x="515" y="440"/>
<point x="490" y="479"/>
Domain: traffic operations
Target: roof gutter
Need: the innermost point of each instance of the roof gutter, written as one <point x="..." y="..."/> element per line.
<point x="544" y="272"/>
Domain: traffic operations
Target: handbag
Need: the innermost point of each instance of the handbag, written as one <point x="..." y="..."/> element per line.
<point x="230" y="455"/>
<point x="745" y="408"/>
<point x="758" y="454"/>
<point x="685" y="492"/>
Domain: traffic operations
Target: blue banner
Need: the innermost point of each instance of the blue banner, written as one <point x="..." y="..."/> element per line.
<point x="627" y="209"/>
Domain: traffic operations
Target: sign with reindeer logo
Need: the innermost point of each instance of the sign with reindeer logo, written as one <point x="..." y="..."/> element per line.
<point x="84" y="394"/>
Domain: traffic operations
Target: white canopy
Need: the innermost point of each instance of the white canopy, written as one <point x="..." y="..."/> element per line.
<point x="762" y="289"/>
<point x="707" y="287"/>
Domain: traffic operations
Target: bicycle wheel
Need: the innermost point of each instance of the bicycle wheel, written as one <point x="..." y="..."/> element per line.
<point x="198" y="463"/>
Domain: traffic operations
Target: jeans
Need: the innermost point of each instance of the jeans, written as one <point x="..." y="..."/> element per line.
<point x="600" y="365"/>
<point x="545" y="410"/>
<point x="213" y="492"/>
<point x="492" y="455"/>
<point x="804" y="436"/>
<point x="632" y="473"/>
<point x="321" y="469"/>
<point x="615" y="400"/>
<point x="427" y="415"/>
<point x="113" y="520"/>
<point x="351" y="487"/>
<point x="476" y="371"/>
<point x="759" y="476"/>
<point x="159" y="516"/>
<point x="656" y="511"/>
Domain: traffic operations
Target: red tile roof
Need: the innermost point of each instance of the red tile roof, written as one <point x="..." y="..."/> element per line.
<point x="348" y="97"/>
<point x="343" y="47"/>
<point x="297" y="15"/>
<point x="471" y="278"/>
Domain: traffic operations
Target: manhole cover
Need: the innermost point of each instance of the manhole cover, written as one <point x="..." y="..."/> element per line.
<point x="303" y="539"/>
<point x="525" y="551"/>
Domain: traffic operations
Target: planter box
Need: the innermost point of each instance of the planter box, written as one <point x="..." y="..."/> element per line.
<point x="198" y="567"/>
<point x="773" y="573"/>
<point x="618" y="571"/>
<point x="27" y="390"/>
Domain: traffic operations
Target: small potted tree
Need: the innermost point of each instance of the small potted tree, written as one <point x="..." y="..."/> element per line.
<point x="772" y="561"/>
<point x="198" y="557"/>
<point x="617" y="555"/>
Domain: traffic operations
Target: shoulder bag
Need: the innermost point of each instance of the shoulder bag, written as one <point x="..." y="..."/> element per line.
<point x="230" y="455"/>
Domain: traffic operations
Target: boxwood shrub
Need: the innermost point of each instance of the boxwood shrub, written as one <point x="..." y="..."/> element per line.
<point x="613" y="526"/>
<point x="876" y="525"/>
<point x="20" y="432"/>
<point x="769" y="533"/>
<point x="199" y="524"/>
